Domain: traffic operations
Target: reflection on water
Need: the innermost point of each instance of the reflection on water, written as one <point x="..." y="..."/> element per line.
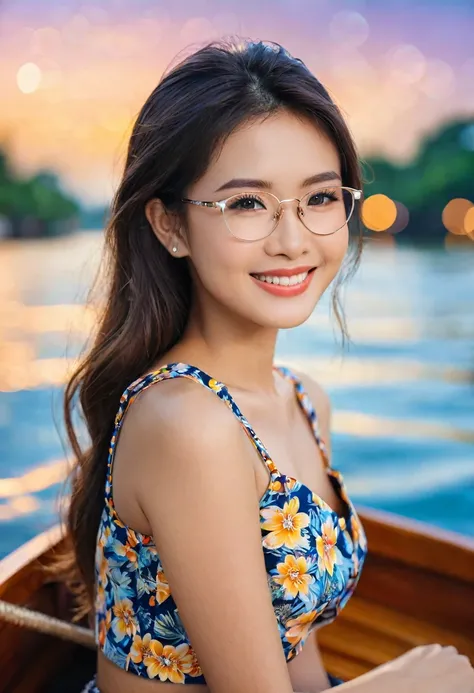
<point x="403" y="394"/>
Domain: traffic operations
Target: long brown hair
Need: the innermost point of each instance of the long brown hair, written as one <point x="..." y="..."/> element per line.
<point x="147" y="293"/>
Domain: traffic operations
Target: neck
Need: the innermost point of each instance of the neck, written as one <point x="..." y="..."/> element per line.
<point x="237" y="353"/>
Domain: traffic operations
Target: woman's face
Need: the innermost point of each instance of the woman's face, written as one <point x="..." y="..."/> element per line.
<point x="284" y="151"/>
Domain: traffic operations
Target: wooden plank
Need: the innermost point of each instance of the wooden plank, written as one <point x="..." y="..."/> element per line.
<point x="402" y="627"/>
<point x="24" y="581"/>
<point x="342" y="666"/>
<point x="20" y="571"/>
<point x="428" y="597"/>
<point x="419" y="545"/>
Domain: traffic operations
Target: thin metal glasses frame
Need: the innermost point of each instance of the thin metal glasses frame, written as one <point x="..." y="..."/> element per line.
<point x="221" y="204"/>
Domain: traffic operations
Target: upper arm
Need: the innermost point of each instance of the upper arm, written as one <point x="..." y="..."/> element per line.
<point x="322" y="405"/>
<point x="194" y="479"/>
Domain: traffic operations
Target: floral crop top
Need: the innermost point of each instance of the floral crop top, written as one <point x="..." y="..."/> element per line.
<point x="312" y="555"/>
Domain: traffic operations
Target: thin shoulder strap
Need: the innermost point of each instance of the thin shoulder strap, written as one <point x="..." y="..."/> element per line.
<point x="308" y="408"/>
<point x="183" y="370"/>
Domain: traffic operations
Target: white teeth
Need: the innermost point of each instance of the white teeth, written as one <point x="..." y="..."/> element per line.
<point x="282" y="281"/>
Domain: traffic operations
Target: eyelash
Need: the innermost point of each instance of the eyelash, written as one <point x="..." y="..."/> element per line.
<point x="329" y="193"/>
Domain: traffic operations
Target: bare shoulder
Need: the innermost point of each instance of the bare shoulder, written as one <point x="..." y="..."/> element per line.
<point x="167" y="407"/>
<point x="182" y="420"/>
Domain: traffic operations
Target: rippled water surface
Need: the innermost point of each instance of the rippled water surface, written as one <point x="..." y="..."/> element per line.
<point x="402" y="394"/>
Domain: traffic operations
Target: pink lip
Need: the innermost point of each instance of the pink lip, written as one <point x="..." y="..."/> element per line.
<point x="288" y="291"/>
<point x="286" y="272"/>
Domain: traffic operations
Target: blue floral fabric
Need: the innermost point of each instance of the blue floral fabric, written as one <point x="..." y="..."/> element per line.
<point x="312" y="555"/>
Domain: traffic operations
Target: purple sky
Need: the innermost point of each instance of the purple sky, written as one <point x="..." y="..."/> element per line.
<point x="398" y="69"/>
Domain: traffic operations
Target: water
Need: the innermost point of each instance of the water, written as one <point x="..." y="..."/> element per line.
<point x="402" y="395"/>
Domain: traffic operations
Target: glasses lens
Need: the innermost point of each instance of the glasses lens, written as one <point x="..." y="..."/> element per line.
<point x="251" y="216"/>
<point x="326" y="210"/>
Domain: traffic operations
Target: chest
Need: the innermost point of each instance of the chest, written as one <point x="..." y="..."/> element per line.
<point x="289" y="438"/>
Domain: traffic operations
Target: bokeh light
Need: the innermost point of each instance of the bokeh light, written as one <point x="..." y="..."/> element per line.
<point x="439" y="80"/>
<point x="469" y="222"/>
<point x="379" y="212"/>
<point x="407" y="64"/>
<point x="28" y="78"/>
<point x="349" y="29"/>
<point x="454" y="216"/>
<point x="403" y="217"/>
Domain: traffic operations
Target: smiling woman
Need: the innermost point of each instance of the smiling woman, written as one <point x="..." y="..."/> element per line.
<point x="208" y="554"/>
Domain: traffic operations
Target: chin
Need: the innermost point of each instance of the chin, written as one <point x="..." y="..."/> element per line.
<point x="284" y="318"/>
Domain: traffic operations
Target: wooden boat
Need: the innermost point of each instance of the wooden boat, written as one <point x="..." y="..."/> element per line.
<point x="417" y="588"/>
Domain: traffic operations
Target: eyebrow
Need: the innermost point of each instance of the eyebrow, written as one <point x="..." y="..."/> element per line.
<point x="261" y="184"/>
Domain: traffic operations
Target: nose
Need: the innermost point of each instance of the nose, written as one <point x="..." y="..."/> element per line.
<point x="290" y="237"/>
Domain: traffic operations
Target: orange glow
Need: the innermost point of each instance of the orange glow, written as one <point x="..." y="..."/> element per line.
<point x="379" y="212"/>
<point x="384" y="239"/>
<point x="458" y="242"/>
<point x="469" y="222"/>
<point x="454" y="215"/>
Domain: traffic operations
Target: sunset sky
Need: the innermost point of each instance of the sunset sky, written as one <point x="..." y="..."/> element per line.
<point x="73" y="74"/>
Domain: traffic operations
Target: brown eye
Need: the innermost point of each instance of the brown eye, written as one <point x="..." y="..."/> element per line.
<point x="247" y="203"/>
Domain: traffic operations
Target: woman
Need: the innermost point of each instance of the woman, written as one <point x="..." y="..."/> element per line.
<point x="223" y="537"/>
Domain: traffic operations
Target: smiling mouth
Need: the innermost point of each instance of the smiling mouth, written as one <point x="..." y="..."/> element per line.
<point x="284" y="280"/>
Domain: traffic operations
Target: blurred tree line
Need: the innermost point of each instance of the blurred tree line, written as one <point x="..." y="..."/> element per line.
<point x="443" y="169"/>
<point x="34" y="206"/>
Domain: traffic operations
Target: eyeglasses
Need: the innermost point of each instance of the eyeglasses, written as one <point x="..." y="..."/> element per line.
<point x="251" y="216"/>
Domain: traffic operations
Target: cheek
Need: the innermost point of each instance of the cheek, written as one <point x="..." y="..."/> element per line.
<point x="217" y="257"/>
<point x="335" y="247"/>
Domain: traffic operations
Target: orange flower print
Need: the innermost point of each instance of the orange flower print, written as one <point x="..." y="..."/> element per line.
<point x="294" y="575"/>
<point x="132" y="540"/>
<point x="195" y="669"/>
<point x="100" y="598"/>
<point x="140" y="648"/>
<point x="162" y="587"/>
<point x="285" y="526"/>
<point x="104" y="537"/>
<point x="102" y="565"/>
<point x="328" y="554"/>
<point x="271" y="465"/>
<point x="104" y="626"/>
<point x="276" y="486"/>
<point x="215" y="385"/>
<point x="298" y="628"/>
<point x="358" y="532"/>
<point x="126" y="551"/>
<point x="168" y="663"/>
<point x="124" y="622"/>
<point x="280" y="487"/>
<point x="317" y="500"/>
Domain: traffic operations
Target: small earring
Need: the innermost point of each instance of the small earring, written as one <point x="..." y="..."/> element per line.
<point x="174" y="249"/>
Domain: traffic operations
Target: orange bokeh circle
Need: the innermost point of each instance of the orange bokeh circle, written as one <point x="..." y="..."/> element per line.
<point x="469" y="222"/>
<point x="454" y="215"/>
<point x="379" y="212"/>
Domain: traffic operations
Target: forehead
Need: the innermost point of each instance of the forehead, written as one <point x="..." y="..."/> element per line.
<point x="282" y="149"/>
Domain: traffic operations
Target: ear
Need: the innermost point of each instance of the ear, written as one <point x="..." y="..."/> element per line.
<point x="166" y="227"/>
